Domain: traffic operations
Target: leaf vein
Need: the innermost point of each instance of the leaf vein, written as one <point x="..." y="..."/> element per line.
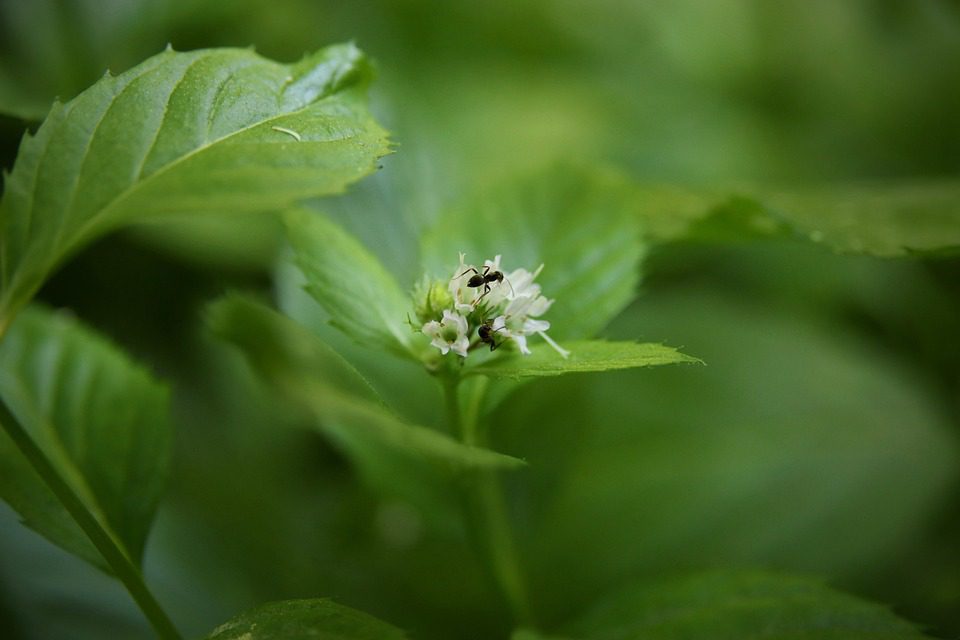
<point x="138" y="173"/>
<point x="102" y="213"/>
<point x="65" y="211"/>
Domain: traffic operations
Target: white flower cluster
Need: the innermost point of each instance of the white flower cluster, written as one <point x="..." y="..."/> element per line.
<point x="499" y="306"/>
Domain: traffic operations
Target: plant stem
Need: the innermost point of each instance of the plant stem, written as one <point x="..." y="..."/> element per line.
<point x="486" y="515"/>
<point x="125" y="570"/>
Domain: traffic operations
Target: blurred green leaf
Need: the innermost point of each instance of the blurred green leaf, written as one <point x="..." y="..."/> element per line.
<point x="216" y="130"/>
<point x="98" y="417"/>
<point x="776" y="453"/>
<point x="318" y="618"/>
<point x="361" y="296"/>
<point x="889" y="220"/>
<point x="582" y="225"/>
<point x="314" y="375"/>
<point x="17" y="102"/>
<point x="720" y="605"/>
<point x="530" y="634"/>
<point x="586" y="355"/>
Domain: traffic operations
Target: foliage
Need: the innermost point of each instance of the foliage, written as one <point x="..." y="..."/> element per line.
<point x="208" y="131"/>
<point x="321" y="619"/>
<point x="229" y="391"/>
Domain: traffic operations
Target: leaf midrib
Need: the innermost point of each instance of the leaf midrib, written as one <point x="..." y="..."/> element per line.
<point x="103" y="212"/>
<point x="93" y="221"/>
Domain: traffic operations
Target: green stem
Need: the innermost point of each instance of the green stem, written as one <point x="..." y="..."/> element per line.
<point x="125" y="570"/>
<point x="486" y="512"/>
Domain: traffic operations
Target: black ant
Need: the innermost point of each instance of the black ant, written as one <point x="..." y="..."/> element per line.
<point x="483" y="280"/>
<point x="485" y="332"/>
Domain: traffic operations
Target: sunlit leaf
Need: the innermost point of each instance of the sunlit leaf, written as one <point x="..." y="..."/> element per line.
<point x="216" y="130"/>
<point x="99" y="418"/>
<point x="585" y="355"/>
<point x="318" y="618"/>
<point x="361" y="296"/>
<point x="721" y="605"/>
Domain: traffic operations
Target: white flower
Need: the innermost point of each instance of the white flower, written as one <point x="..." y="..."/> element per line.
<point x="464" y="296"/>
<point x="522" y="283"/>
<point x="449" y="334"/>
<point x="521" y="313"/>
<point x="515" y="301"/>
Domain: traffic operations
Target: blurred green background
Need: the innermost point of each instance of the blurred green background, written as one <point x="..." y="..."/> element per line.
<point x="820" y="438"/>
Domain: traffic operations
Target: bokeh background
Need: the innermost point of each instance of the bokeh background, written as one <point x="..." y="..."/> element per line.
<point x="821" y="437"/>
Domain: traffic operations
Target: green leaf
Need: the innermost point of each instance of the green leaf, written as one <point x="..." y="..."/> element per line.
<point x="545" y="220"/>
<point x="738" y="604"/>
<point x="99" y="418"/>
<point x="215" y="130"/>
<point x="586" y="355"/>
<point x="883" y="220"/>
<point x="890" y="220"/>
<point x="348" y="409"/>
<point x="318" y="618"/>
<point x="775" y="454"/>
<point x="530" y="634"/>
<point x="361" y="296"/>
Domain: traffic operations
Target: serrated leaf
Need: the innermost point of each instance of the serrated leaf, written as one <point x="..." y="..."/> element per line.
<point x="888" y="221"/>
<point x="361" y="296"/>
<point x="318" y="618"/>
<point x="585" y="355"/>
<point x="215" y="130"/>
<point x="100" y="419"/>
<point x="318" y="378"/>
<point x="718" y="605"/>
<point x="545" y="220"/>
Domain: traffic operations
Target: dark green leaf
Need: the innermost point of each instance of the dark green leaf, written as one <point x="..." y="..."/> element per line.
<point x="775" y="454"/>
<point x="361" y="296"/>
<point x="292" y="619"/>
<point x="585" y="355"/>
<point x="734" y="605"/>
<point x="314" y="375"/>
<point x="547" y="220"/>
<point x="100" y="419"/>
<point x="530" y="634"/>
<point x="216" y="130"/>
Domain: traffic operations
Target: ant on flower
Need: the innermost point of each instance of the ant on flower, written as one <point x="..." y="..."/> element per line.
<point x="484" y="279"/>
<point x="485" y="332"/>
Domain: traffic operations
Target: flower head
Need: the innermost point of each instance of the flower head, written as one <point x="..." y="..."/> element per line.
<point x="475" y="294"/>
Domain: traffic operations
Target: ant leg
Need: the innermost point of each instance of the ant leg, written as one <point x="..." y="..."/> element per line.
<point x="486" y="290"/>
<point x="493" y="344"/>
<point x="466" y="272"/>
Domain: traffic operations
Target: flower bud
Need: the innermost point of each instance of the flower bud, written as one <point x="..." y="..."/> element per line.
<point x="430" y="300"/>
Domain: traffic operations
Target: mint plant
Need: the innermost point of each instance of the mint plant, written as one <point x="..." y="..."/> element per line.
<point x="509" y="291"/>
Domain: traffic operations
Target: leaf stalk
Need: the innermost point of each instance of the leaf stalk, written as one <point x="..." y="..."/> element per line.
<point x="124" y="569"/>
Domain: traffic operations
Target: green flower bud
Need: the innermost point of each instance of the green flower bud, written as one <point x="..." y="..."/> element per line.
<point x="430" y="299"/>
